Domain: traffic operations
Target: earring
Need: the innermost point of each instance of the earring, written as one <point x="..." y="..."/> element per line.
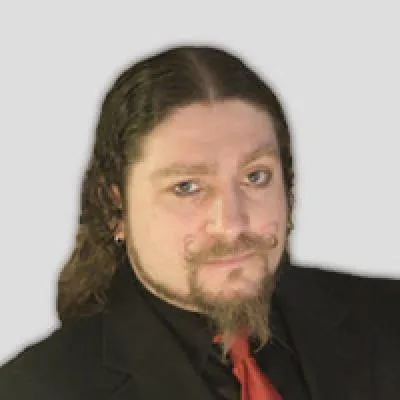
<point x="118" y="240"/>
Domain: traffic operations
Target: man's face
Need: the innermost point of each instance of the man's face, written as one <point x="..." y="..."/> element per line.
<point x="200" y="196"/>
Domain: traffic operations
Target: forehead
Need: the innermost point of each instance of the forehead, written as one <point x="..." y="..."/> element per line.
<point x="218" y="123"/>
<point x="207" y="139"/>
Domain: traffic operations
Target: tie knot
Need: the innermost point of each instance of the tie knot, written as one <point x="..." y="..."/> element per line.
<point x="240" y="349"/>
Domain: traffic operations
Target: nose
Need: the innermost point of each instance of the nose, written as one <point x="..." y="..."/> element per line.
<point x="227" y="215"/>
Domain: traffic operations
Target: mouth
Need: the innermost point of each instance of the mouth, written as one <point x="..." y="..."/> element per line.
<point x="231" y="261"/>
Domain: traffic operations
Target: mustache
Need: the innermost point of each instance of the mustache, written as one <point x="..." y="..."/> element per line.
<point x="245" y="243"/>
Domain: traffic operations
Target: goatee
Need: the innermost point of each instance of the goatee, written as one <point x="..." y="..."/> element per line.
<point x="229" y="317"/>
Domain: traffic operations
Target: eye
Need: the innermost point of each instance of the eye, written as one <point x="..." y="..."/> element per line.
<point x="181" y="188"/>
<point x="264" y="174"/>
<point x="260" y="178"/>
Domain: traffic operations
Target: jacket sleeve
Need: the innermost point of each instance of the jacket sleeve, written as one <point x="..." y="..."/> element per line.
<point x="383" y="322"/>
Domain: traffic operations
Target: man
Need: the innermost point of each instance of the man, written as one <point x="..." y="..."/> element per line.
<point x="182" y="259"/>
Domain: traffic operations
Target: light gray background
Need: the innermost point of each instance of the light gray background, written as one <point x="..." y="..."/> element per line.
<point x="335" y="65"/>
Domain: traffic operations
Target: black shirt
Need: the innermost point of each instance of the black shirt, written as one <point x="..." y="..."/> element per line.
<point x="278" y="359"/>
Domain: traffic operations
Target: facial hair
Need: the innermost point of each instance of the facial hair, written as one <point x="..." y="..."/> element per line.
<point x="226" y="317"/>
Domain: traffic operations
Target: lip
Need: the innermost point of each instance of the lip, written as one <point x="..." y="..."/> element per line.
<point x="231" y="261"/>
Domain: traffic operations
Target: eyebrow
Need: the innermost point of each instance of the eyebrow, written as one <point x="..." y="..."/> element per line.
<point x="177" y="168"/>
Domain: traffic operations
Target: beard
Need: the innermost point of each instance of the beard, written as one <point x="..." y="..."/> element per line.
<point x="228" y="317"/>
<point x="225" y="316"/>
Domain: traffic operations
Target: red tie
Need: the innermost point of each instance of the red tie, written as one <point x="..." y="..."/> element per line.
<point x="254" y="384"/>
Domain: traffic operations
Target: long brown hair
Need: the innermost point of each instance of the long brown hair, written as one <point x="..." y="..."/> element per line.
<point x="141" y="97"/>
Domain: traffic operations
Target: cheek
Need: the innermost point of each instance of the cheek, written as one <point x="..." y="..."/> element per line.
<point x="168" y="235"/>
<point x="273" y="214"/>
<point x="174" y="219"/>
<point x="275" y="225"/>
<point x="177" y="208"/>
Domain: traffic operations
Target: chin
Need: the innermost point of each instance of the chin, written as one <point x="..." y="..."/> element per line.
<point x="236" y="292"/>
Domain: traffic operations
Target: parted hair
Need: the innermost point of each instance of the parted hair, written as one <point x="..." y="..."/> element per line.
<point x="141" y="97"/>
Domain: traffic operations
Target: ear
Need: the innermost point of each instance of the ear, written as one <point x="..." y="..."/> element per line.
<point x="116" y="197"/>
<point x="120" y="232"/>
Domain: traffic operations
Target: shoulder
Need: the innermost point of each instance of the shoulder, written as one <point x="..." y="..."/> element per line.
<point x="62" y="360"/>
<point x="319" y="289"/>
<point x="371" y="302"/>
<point x="312" y="285"/>
<point x="375" y="302"/>
<point x="374" y="299"/>
<point x="331" y="280"/>
<point x="363" y="308"/>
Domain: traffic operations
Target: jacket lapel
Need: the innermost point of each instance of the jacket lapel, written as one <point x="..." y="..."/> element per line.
<point x="136" y="344"/>
<point x="324" y="323"/>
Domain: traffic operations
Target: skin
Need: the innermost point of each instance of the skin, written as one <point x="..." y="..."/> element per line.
<point x="236" y="210"/>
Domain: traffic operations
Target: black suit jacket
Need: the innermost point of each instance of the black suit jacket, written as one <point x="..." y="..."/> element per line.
<point x="345" y="328"/>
